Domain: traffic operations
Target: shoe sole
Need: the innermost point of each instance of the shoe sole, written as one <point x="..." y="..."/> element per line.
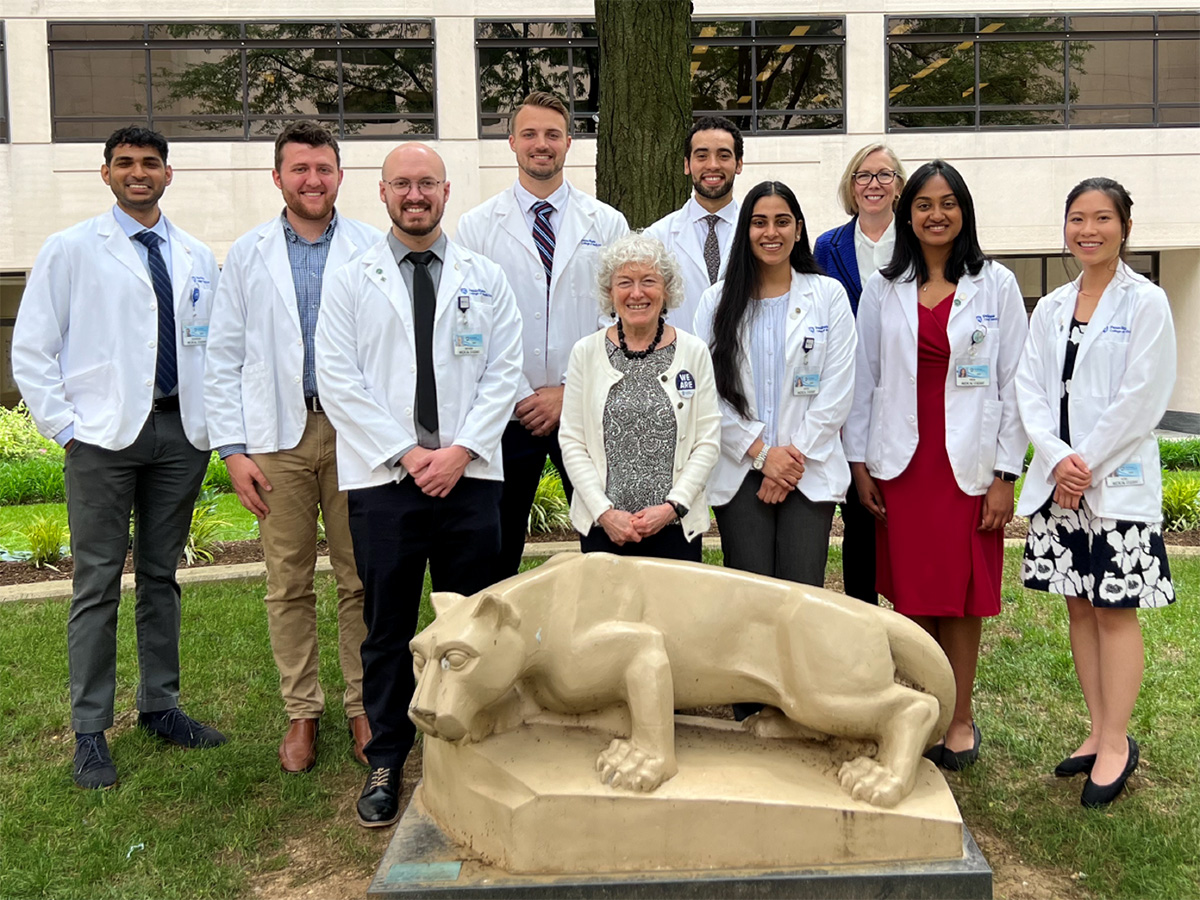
<point x="312" y="765"/>
<point x="381" y="824"/>
<point x="99" y="787"/>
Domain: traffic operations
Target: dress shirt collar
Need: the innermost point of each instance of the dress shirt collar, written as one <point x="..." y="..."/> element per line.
<point x="290" y="233"/>
<point x="401" y="250"/>
<point x="696" y="213"/>
<point x="132" y="226"/>
<point x="526" y="200"/>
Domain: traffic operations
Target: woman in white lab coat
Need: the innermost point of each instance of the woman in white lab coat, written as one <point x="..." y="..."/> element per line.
<point x="1094" y="381"/>
<point x="934" y="440"/>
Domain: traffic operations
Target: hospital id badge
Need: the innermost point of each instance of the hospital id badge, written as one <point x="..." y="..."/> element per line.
<point x="1126" y="475"/>
<point x="468" y="344"/>
<point x="195" y="333"/>
<point x="806" y="382"/>
<point x="969" y="373"/>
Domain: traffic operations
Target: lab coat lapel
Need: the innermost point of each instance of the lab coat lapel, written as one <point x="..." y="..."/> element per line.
<point x="272" y="247"/>
<point x="799" y="303"/>
<point x="968" y="287"/>
<point x="181" y="275"/>
<point x="688" y="241"/>
<point x="454" y="269"/>
<point x="905" y="293"/>
<point x="512" y="220"/>
<point x="121" y="247"/>
<point x="573" y="224"/>
<point x="1113" y="294"/>
<point x="383" y="273"/>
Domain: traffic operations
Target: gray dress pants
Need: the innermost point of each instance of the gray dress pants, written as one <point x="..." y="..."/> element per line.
<point x="157" y="478"/>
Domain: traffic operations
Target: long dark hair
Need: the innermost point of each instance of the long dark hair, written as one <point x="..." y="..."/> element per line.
<point x="908" y="262"/>
<point x="742" y="282"/>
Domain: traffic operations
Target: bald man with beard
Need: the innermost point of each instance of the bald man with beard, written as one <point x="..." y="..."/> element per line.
<point x="418" y="363"/>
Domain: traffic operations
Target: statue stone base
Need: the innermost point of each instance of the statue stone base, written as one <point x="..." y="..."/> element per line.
<point x="530" y="801"/>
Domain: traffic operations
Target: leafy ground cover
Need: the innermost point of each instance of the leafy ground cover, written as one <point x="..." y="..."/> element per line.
<point x="226" y="823"/>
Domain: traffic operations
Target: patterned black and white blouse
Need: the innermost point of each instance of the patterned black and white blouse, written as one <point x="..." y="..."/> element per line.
<point x="639" y="431"/>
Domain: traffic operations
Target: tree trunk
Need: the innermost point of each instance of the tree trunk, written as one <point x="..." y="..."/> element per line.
<point x="645" y="106"/>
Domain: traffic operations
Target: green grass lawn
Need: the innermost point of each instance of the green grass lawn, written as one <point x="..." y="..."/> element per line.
<point x="207" y="824"/>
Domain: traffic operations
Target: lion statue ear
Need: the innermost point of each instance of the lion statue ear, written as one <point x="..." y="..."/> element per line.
<point x="493" y="606"/>
<point x="444" y="601"/>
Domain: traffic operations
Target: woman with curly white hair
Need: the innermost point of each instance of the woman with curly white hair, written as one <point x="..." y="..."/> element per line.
<point x="640" y="428"/>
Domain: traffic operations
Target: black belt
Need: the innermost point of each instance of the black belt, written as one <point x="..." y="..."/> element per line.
<point x="165" y="404"/>
<point x="314" y="404"/>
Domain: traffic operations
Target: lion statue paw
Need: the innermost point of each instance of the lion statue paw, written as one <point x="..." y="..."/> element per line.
<point x="625" y="765"/>
<point x="865" y="779"/>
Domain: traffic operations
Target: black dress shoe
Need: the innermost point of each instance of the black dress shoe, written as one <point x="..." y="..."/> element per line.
<point x="956" y="761"/>
<point x="379" y="802"/>
<point x="1096" y="796"/>
<point x="93" y="769"/>
<point x="176" y="727"/>
<point x="934" y="754"/>
<point x="1075" y="765"/>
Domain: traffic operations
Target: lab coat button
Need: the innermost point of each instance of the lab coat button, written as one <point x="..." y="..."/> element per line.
<point x="149" y="382"/>
<point x="150" y="344"/>
<point x="537" y="352"/>
<point x="912" y="418"/>
<point x="408" y="410"/>
<point x="296" y="379"/>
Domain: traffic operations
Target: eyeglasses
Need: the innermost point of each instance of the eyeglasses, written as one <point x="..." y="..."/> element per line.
<point x="884" y="177"/>
<point x="426" y="185"/>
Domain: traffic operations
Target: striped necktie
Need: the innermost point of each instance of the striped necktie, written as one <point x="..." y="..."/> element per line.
<point x="166" y="374"/>
<point x="543" y="236"/>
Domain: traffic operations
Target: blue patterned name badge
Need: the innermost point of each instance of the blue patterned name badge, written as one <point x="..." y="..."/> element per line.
<point x="468" y="344"/>
<point x="195" y="333"/>
<point x="685" y="383"/>
<point x="1126" y="475"/>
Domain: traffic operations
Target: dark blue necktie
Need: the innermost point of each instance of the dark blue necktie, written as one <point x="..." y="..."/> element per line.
<point x="543" y="236"/>
<point x="166" y="374"/>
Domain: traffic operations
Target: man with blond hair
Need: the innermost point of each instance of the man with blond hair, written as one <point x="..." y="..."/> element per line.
<point x="546" y="235"/>
<point x="418" y="361"/>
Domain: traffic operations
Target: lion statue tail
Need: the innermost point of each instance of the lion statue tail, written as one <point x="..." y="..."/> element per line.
<point x="921" y="664"/>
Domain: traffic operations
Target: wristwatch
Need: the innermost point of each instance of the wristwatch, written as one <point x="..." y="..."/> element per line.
<point x="1005" y="476"/>
<point x="761" y="459"/>
<point x="680" y="510"/>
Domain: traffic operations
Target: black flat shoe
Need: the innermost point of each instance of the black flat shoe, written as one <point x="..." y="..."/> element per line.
<point x="1075" y="765"/>
<point x="935" y="753"/>
<point x="1097" y="796"/>
<point x="379" y="803"/>
<point x="956" y="761"/>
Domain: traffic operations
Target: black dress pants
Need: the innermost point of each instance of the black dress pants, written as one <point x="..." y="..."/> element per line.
<point x="858" y="549"/>
<point x="524" y="459"/>
<point x="396" y="530"/>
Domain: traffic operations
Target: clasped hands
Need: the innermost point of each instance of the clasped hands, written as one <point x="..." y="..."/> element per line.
<point x="436" y="472"/>
<point x="541" y="410"/>
<point x="1072" y="477"/>
<point x="782" y="471"/>
<point x="629" y="528"/>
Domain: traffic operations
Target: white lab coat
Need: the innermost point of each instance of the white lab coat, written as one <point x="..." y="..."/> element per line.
<point x="366" y="363"/>
<point x="254" y="381"/>
<point x="983" y="429"/>
<point x="497" y="229"/>
<point x="678" y="233"/>
<point x="818" y="309"/>
<point x="85" y="344"/>
<point x="697" y="429"/>
<point x="1124" y="374"/>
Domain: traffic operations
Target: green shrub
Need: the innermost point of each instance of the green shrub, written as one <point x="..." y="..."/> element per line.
<point x="19" y="438"/>
<point x="202" y="536"/>
<point x="1183" y="454"/>
<point x="48" y="541"/>
<point x="1181" y="504"/>
<point x="31" y="479"/>
<point x="217" y="477"/>
<point x="550" y="510"/>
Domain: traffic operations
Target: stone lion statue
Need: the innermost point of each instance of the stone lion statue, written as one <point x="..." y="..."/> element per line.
<point x="586" y="632"/>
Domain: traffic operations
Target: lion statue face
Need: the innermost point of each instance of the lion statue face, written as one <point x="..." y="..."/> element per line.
<point x="467" y="659"/>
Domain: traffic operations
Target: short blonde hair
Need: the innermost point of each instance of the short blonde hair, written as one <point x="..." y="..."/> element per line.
<point x="545" y="100"/>
<point x="638" y="249"/>
<point x="846" y="185"/>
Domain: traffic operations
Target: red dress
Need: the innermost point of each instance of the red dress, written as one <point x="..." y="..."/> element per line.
<point x="931" y="557"/>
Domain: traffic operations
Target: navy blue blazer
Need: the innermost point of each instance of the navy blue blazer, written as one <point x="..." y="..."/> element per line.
<point x="834" y="252"/>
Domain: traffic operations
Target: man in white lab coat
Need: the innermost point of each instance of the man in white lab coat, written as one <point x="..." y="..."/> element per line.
<point x="701" y="233"/>
<point x="108" y="352"/>
<point x="418" y="362"/>
<point x="266" y="420"/>
<point x="546" y="235"/>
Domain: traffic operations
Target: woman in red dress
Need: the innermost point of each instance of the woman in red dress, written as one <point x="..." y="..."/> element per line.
<point x="934" y="440"/>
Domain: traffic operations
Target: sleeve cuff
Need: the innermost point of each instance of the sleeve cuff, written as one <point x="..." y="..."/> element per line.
<point x="65" y="436"/>
<point x="229" y="449"/>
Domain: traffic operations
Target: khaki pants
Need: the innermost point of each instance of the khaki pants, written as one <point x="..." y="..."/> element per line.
<point x="302" y="479"/>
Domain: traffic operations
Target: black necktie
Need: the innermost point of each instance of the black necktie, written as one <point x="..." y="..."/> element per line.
<point x="166" y="372"/>
<point x="424" y="302"/>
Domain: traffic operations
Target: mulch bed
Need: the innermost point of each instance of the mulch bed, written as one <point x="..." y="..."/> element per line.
<point x="228" y="553"/>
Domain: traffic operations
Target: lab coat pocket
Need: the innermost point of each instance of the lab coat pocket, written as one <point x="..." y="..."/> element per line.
<point x="1106" y="364"/>
<point x="875" y="436"/>
<point x="95" y="388"/>
<point x="989" y="432"/>
<point x="259" y="407"/>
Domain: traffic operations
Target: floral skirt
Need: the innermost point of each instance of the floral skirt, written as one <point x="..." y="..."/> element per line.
<point x="1111" y="562"/>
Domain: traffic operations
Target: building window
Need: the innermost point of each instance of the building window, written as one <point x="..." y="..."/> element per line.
<point x="12" y="286"/>
<point x="767" y="75"/>
<point x="1094" y="70"/>
<point x="3" y="89"/>
<point x="771" y="75"/>
<point x="242" y="81"/>
<point x="1039" y="274"/>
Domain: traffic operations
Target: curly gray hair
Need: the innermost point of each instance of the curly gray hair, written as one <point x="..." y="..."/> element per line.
<point x="638" y="249"/>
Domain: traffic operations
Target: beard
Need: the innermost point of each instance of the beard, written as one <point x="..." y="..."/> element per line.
<point x="712" y="193"/>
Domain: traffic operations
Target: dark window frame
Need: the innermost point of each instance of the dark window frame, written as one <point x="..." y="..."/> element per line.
<point x="1065" y="36"/>
<point x="753" y="41"/>
<point x="1064" y="261"/>
<point x="4" y="134"/>
<point x="337" y="122"/>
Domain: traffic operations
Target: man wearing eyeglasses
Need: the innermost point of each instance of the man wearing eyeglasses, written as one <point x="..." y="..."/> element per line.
<point x="418" y="362"/>
<point x="546" y="235"/>
<point x="266" y="419"/>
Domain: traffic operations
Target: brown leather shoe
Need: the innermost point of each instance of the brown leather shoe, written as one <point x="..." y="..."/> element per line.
<point x="360" y="733"/>
<point x="298" y="752"/>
